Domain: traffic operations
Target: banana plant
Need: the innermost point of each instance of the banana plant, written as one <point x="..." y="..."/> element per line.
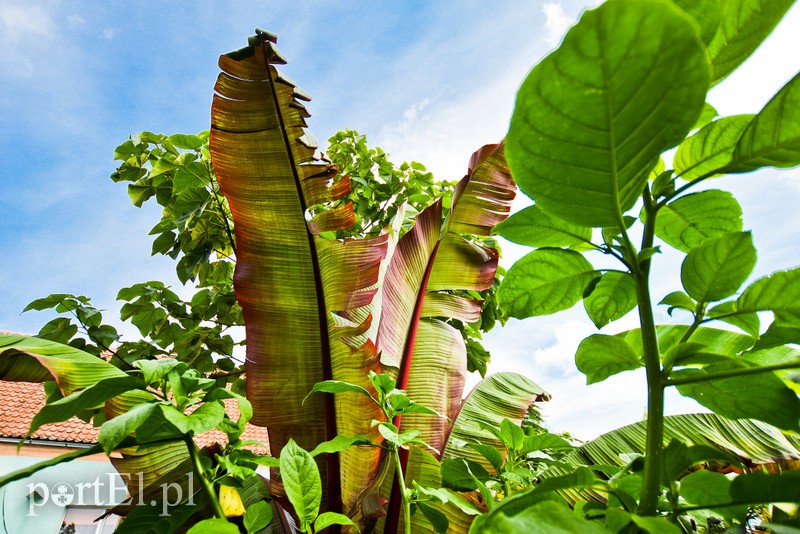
<point x="319" y="309"/>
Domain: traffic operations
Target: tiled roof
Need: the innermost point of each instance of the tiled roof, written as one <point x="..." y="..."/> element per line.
<point x="20" y="401"/>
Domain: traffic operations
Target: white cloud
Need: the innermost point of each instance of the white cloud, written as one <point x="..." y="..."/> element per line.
<point x="20" y="21"/>
<point x="557" y="22"/>
<point x="109" y="33"/>
<point x="76" y="21"/>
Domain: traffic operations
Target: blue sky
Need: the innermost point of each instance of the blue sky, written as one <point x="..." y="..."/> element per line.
<point x="425" y="80"/>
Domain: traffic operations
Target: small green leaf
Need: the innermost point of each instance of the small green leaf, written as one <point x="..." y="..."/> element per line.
<point x="163" y="243"/>
<point x="600" y="356"/>
<point x="494" y="456"/>
<point x="679" y="299"/>
<point x="257" y="516"/>
<point x="301" y="480"/>
<point x="533" y="227"/>
<point x="437" y="519"/>
<point x="338" y="444"/>
<point x="186" y="141"/>
<point x="117" y="429"/>
<point x="327" y="519"/>
<point x="545" y="441"/>
<point x="512" y="436"/>
<point x="708" y="152"/>
<point x="544" y="282"/>
<point x="336" y="386"/>
<point x="613" y="296"/>
<point x="215" y="525"/>
<point x="206" y="417"/>
<point x="60" y="330"/>
<point x="717" y="268"/>
<point x="706" y="488"/>
<point x="154" y="370"/>
<point x="689" y="221"/>
<point x="460" y="474"/>
<point x="91" y="397"/>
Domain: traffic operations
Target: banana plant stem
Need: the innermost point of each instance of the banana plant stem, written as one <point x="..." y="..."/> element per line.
<point x="208" y="487"/>
<point x="402" y="483"/>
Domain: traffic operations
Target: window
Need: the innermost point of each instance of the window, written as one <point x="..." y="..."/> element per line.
<point x="82" y="521"/>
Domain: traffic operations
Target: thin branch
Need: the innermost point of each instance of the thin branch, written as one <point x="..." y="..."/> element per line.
<point x="215" y="193"/>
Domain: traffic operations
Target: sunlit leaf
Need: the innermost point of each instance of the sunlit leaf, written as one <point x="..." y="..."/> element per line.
<point x="744" y="25"/>
<point x="611" y="298"/>
<point x="544" y="282"/>
<point x="717" y="268"/>
<point x="618" y="109"/>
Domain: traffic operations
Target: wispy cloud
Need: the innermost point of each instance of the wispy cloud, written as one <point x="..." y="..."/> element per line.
<point x="556" y="23"/>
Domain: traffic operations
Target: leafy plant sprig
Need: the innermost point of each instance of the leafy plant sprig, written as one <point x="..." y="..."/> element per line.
<point x="394" y="403"/>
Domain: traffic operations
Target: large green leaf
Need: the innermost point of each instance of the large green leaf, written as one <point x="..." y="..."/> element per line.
<point x="691" y="220"/>
<point x="545" y="281"/>
<point x="628" y="82"/>
<point x="717" y="268"/>
<point x="744" y="25"/>
<point x="710" y="149"/>
<point x="533" y="227"/>
<point x="611" y="298"/>
<point x="599" y="357"/>
<point x="772" y="139"/>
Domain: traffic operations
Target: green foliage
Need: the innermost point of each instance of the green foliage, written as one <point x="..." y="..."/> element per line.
<point x="381" y="188"/>
<point x="588" y="143"/>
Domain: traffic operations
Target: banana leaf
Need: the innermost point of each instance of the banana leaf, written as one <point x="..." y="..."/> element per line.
<point x="500" y="396"/>
<point x="295" y="287"/>
<point x="31" y="359"/>
<point x="304" y="296"/>
<point x="750" y="442"/>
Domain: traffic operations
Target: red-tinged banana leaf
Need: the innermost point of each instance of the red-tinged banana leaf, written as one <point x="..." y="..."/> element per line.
<point x="293" y="285"/>
<point x="428" y="356"/>
<point x="31" y="359"/>
<point x="425" y="354"/>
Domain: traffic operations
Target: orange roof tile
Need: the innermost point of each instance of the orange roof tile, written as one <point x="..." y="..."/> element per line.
<point x="20" y="401"/>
